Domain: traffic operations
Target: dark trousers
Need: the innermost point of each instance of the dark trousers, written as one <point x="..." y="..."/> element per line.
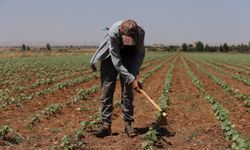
<point x="108" y="82"/>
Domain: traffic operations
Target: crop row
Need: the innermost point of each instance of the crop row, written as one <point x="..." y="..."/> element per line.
<point x="20" y="97"/>
<point x="148" y="74"/>
<point x="235" y="59"/>
<point x="221" y="114"/>
<point x="66" y="84"/>
<point x="43" y="67"/>
<point x="235" y="76"/>
<point x="53" y="109"/>
<point x="225" y="86"/>
<point x="164" y="99"/>
<point x="53" y="79"/>
<point x="19" y="71"/>
<point x="237" y="69"/>
<point x="6" y="101"/>
<point x="152" y="136"/>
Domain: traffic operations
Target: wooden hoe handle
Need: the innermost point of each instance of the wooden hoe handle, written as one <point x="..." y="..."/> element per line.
<point x="152" y="102"/>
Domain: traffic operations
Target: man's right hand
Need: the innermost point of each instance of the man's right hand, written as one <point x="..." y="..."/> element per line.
<point x="136" y="85"/>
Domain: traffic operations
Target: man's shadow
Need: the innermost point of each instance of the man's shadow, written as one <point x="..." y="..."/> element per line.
<point x="163" y="131"/>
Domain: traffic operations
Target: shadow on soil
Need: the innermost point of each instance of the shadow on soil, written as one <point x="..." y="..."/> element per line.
<point x="163" y="132"/>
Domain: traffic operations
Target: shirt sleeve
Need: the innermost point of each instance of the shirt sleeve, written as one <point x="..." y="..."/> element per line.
<point x="139" y="55"/>
<point x="116" y="58"/>
<point x="98" y="54"/>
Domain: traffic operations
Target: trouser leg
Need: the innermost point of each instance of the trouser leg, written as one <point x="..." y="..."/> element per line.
<point x="127" y="90"/>
<point x="108" y="82"/>
<point x="127" y="101"/>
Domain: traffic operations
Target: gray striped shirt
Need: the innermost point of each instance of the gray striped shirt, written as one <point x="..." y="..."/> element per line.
<point x="111" y="46"/>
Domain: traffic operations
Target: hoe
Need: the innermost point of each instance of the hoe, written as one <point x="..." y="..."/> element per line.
<point x="162" y="119"/>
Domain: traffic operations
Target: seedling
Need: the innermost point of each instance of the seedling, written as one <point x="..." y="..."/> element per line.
<point x="52" y="110"/>
<point x="9" y="135"/>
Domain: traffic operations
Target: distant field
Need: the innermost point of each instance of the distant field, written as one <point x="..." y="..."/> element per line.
<point x="18" y="53"/>
<point x="51" y="99"/>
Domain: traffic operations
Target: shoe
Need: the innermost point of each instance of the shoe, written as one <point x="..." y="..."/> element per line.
<point x="130" y="131"/>
<point x="103" y="131"/>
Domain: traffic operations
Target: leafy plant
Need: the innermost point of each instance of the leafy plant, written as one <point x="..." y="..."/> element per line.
<point x="150" y="138"/>
<point x="9" y="135"/>
<point x="83" y="93"/>
<point x="33" y="121"/>
<point x="74" y="141"/>
<point x="52" y="110"/>
<point x="96" y="121"/>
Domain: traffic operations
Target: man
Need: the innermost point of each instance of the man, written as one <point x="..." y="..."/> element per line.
<point x="122" y="52"/>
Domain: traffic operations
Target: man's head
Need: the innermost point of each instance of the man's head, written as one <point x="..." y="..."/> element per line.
<point x="129" y="32"/>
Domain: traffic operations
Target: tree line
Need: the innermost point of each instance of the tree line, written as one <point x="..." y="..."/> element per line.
<point x="25" y="47"/>
<point x="185" y="47"/>
<point x="201" y="47"/>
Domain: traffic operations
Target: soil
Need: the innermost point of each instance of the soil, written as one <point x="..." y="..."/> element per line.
<point x="238" y="113"/>
<point x="191" y="120"/>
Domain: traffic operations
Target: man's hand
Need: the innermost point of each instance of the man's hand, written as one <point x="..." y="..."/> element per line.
<point x="93" y="67"/>
<point x="136" y="85"/>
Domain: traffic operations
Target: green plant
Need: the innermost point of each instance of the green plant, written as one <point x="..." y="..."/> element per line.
<point x="33" y="121"/>
<point x="4" y="131"/>
<point x="9" y="135"/>
<point x="74" y="141"/>
<point x="52" y="110"/>
<point x="83" y="93"/>
<point x="150" y="138"/>
<point x="96" y="121"/>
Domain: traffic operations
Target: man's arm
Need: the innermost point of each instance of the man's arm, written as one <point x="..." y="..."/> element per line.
<point x="99" y="53"/>
<point x="116" y="58"/>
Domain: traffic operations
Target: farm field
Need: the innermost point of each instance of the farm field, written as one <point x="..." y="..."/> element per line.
<point x="51" y="102"/>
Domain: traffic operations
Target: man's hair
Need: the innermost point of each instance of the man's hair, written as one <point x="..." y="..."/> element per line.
<point x="128" y="27"/>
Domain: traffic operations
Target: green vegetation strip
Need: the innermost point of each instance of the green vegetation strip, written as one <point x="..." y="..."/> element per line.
<point x="225" y="86"/>
<point x="6" y="100"/>
<point x="237" y="69"/>
<point x="231" y="134"/>
<point x="148" y="74"/>
<point x="54" y="109"/>
<point x="152" y="136"/>
<point x="164" y="99"/>
<point x="235" y="76"/>
<point x="66" y="84"/>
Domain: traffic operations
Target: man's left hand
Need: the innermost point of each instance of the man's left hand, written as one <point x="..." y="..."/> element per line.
<point x="93" y="67"/>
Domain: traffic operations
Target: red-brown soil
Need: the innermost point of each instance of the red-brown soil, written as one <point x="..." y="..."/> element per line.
<point x="238" y="113"/>
<point x="231" y="81"/>
<point x="190" y="117"/>
<point x="18" y="118"/>
<point x="232" y="70"/>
